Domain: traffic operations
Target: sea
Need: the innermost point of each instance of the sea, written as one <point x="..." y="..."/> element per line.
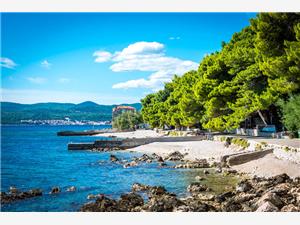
<point x="33" y="156"/>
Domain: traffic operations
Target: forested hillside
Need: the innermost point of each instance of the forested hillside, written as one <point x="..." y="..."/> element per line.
<point x="15" y="112"/>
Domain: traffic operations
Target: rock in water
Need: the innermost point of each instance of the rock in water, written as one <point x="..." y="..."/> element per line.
<point x="71" y="189"/>
<point x="139" y="187"/>
<point x="267" y="207"/>
<point x="113" y="158"/>
<point x="160" y="159"/>
<point x="17" y="195"/>
<point x="243" y="186"/>
<point x="163" y="203"/>
<point x="102" y="204"/>
<point x="55" y="190"/>
<point x="196" y="187"/>
<point x="130" y="201"/>
<point x="13" y="190"/>
<point x="175" y="156"/>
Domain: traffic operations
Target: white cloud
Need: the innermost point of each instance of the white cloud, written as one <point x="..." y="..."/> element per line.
<point x="7" y="63"/>
<point x="148" y="56"/>
<point x="102" y="56"/>
<point x="64" y="80"/>
<point x="29" y="96"/>
<point x="37" y="80"/>
<point x="174" y="38"/>
<point x="46" y="64"/>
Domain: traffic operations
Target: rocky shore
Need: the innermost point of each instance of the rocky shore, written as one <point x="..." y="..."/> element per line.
<point x="276" y="194"/>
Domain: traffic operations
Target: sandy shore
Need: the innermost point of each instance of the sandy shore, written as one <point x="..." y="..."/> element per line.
<point x="266" y="166"/>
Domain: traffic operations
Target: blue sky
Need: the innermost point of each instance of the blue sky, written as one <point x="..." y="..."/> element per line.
<point x="108" y="58"/>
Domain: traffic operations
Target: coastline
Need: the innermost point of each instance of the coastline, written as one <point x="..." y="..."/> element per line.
<point x="213" y="151"/>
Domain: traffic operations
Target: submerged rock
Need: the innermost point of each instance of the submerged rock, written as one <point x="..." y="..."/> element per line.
<point x="199" y="178"/>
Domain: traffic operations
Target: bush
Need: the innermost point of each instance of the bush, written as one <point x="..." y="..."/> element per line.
<point x="291" y="114"/>
<point x="240" y="142"/>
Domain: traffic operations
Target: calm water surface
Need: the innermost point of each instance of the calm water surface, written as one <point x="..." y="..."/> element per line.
<point x="34" y="157"/>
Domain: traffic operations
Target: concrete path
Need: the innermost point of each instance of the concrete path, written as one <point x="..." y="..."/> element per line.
<point x="295" y="143"/>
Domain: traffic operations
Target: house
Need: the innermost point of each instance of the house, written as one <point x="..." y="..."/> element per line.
<point x="261" y="123"/>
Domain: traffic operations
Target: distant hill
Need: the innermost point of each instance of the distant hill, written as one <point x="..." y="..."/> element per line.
<point x="12" y="113"/>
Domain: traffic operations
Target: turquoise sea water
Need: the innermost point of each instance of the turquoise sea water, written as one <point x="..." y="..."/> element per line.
<point x="34" y="157"/>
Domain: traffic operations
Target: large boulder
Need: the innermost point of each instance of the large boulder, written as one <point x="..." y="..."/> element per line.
<point x="270" y="197"/>
<point x="174" y="156"/>
<point x="267" y="207"/>
<point x="130" y="201"/>
<point x="102" y="204"/>
<point x="163" y="203"/>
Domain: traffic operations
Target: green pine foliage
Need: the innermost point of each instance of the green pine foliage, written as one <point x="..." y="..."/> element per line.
<point x="257" y="67"/>
<point x="291" y="113"/>
<point x="127" y="120"/>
